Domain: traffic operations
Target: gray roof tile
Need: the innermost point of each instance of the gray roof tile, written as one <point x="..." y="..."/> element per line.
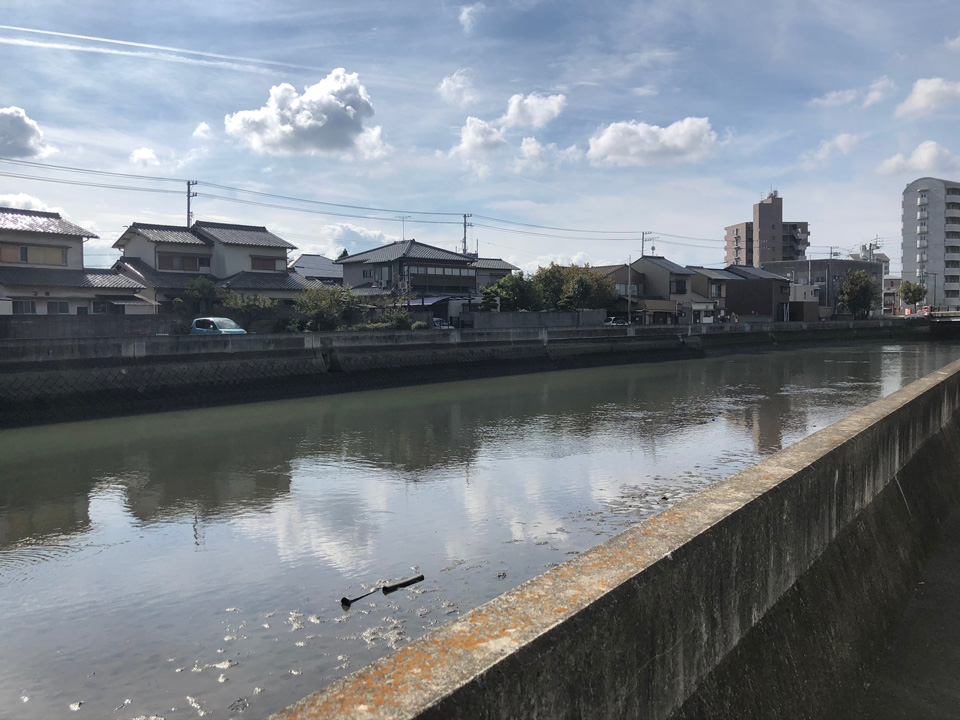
<point x="268" y="281"/>
<point x="90" y="278"/>
<point x="158" y="279"/>
<point x="317" y="266"/>
<point x="667" y="265"/>
<point x="714" y="274"/>
<point x="36" y="221"/>
<point x="408" y="249"/>
<point x="493" y="264"/>
<point x="752" y="273"/>
<point x="239" y="235"/>
<point x="169" y="234"/>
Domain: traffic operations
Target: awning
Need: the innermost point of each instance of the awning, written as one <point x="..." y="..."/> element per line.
<point x="651" y="305"/>
<point x="126" y="300"/>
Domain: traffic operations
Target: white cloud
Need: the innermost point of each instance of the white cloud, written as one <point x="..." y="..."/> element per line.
<point x="836" y="98"/>
<point x="954" y="44"/>
<point x="203" y="132"/>
<point x="644" y="91"/>
<point x="457" y="89"/>
<point x="468" y="16"/>
<point x="928" y="157"/>
<point x="535" y="157"/>
<point x="843" y="143"/>
<point x="22" y="201"/>
<point x="879" y="90"/>
<point x="636" y="143"/>
<point x="144" y="157"/>
<point x="327" y="117"/>
<point x="928" y="94"/>
<point x="478" y="139"/>
<point x="20" y="136"/>
<point x="534" y="110"/>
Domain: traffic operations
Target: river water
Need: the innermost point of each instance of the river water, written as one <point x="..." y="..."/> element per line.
<point x="190" y="564"/>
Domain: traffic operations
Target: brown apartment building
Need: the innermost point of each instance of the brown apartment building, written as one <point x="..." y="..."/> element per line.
<point x="768" y="238"/>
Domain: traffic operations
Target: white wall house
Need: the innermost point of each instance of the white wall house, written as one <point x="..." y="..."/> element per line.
<point x="42" y="270"/>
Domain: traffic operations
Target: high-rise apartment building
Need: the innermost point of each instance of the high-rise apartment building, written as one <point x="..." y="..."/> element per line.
<point x="931" y="239"/>
<point x="768" y="238"/>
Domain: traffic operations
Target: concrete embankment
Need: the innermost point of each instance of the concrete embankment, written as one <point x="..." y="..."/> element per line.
<point x="767" y="595"/>
<point x="63" y="379"/>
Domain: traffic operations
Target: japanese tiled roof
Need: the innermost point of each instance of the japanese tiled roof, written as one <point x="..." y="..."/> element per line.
<point x="268" y="281"/>
<point x="753" y="273"/>
<point x="714" y="274"/>
<point x="169" y="234"/>
<point x="667" y="265"/>
<point x="407" y="249"/>
<point x="90" y="278"/>
<point x="494" y="264"/>
<point x="157" y="278"/>
<point x="239" y="235"/>
<point x="317" y="266"/>
<point x="13" y="219"/>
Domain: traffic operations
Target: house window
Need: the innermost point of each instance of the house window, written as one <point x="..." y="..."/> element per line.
<point x="24" y="307"/>
<point x="187" y="263"/>
<point x="678" y="287"/>
<point x="951" y="278"/>
<point x="716" y="290"/>
<point x="58" y="307"/>
<point x="203" y="262"/>
<point x="262" y="263"/>
<point x="99" y="307"/>
<point x="33" y="255"/>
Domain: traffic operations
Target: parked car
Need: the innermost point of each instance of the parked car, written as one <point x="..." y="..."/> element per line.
<point x="615" y="321"/>
<point x="441" y="324"/>
<point x="215" y="326"/>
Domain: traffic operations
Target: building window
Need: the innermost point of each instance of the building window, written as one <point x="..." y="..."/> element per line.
<point x="24" y="307"/>
<point x="262" y="263"/>
<point x="952" y="264"/>
<point x="951" y="278"/>
<point x="58" y="307"/>
<point x="186" y="263"/>
<point x="951" y="249"/>
<point x="368" y="273"/>
<point x="678" y="287"/>
<point x="203" y="262"/>
<point x="99" y="307"/>
<point x="33" y="255"/>
<point x="952" y="294"/>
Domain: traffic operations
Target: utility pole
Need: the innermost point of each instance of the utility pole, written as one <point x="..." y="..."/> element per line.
<point x="190" y="194"/>
<point x="629" y="287"/>
<point x="465" y="216"/>
<point x="403" y="225"/>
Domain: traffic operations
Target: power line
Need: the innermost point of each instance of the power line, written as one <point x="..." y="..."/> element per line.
<point x="86" y="171"/>
<point x="90" y="184"/>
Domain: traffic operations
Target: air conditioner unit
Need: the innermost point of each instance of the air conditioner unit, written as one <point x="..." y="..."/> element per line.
<point x="403" y="285"/>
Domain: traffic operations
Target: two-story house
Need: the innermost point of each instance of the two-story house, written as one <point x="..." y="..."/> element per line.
<point x="668" y="281"/>
<point x="42" y="270"/>
<point x="762" y="294"/>
<point x="712" y="284"/>
<point x="243" y="258"/>
<point x="490" y="271"/>
<point x="413" y="267"/>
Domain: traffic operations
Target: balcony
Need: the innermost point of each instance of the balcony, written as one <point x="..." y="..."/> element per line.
<point x="922" y="200"/>
<point x="921" y="257"/>
<point x="921" y="243"/>
<point x="922" y="214"/>
<point x="921" y="229"/>
<point x="951" y="213"/>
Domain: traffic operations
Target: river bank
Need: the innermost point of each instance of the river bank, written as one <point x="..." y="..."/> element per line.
<point x="62" y="380"/>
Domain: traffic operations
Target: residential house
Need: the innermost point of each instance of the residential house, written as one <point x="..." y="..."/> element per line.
<point x="412" y="267"/>
<point x="318" y="267"/>
<point x="491" y="270"/>
<point x="42" y="270"/>
<point x="629" y="284"/>
<point x="244" y="258"/>
<point x="892" y="303"/>
<point x="712" y="284"/>
<point x="763" y="296"/>
<point x="666" y="283"/>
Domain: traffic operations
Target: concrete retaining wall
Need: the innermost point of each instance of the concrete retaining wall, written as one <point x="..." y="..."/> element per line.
<point x="766" y="595"/>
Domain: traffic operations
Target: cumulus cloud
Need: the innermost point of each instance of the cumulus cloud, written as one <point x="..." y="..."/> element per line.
<point x="203" y="132"/>
<point x="928" y="157"/>
<point x="844" y="143"/>
<point x="327" y="118"/>
<point x="20" y="136"/>
<point x="535" y="157"/>
<point x="835" y="98"/>
<point x="457" y="89"/>
<point x="636" y="143"/>
<point x="534" y="110"/>
<point x="478" y="139"/>
<point x="928" y="95"/>
<point x="468" y="16"/>
<point x="879" y="90"/>
<point x="144" y="157"/>
<point x="22" y="201"/>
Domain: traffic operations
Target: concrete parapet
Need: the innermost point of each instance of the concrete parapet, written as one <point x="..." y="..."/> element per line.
<point x="766" y="595"/>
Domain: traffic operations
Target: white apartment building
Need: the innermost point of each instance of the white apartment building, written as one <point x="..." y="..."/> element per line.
<point x="931" y="239"/>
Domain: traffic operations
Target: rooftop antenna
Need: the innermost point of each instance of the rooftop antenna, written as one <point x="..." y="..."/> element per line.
<point x="403" y="225"/>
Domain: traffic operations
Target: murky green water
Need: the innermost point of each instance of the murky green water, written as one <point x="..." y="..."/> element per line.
<point x="193" y="562"/>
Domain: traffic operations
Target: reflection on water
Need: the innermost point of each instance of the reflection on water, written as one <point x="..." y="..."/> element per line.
<point x="195" y="559"/>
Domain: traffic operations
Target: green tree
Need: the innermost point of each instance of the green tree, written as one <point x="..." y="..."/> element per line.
<point x="343" y="254"/>
<point x="573" y="288"/>
<point x="859" y="294"/>
<point x="250" y="308"/>
<point x="549" y="282"/>
<point x="514" y="291"/>
<point x="328" y="307"/>
<point x="912" y="293"/>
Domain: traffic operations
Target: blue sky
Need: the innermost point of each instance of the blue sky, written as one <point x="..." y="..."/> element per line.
<point x="666" y="116"/>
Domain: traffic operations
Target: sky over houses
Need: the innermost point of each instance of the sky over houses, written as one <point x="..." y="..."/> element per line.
<point x="566" y="129"/>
